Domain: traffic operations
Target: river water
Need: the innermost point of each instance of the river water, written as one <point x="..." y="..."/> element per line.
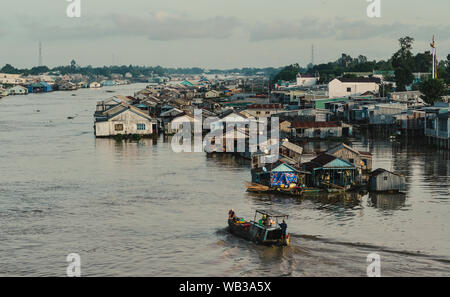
<point x="139" y="209"/>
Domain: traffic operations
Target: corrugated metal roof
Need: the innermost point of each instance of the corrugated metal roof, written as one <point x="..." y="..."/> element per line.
<point x="298" y="125"/>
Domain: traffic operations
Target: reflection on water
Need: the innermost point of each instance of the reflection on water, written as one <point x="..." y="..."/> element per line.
<point x="387" y="201"/>
<point x="138" y="208"/>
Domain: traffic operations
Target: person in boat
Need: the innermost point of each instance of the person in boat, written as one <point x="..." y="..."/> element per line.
<point x="263" y="221"/>
<point x="283" y="227"/>
<point x="231" y="214"/>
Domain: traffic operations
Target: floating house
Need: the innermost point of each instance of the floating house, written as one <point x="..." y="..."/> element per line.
<point x="95" y="85"/>
<point x="382" y="180"/>
<point x="124" y="119"/>
<point x="329" y="170"/>
<point x="179" y="122"/>
<point x="41" y="87"/>
<point x="291" y="151"/>
<point x="17" y="90"/>
<point x="437" y="129"/>
<point x="321" y="129"/>
<point x="108" y="83"/>
<point x="361" y="160"/>
<point x="276" y="174"/>
<point x="67" y="86"/>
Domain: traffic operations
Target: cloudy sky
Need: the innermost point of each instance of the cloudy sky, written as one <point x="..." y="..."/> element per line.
<point x="214" y="33"/>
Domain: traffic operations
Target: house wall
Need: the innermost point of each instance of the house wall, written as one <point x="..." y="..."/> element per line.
<point x="306" y="81"/>
<point x="349" y="156"/>
<point x="336" y="88"/>
<point x="18" y="91"/>
<point x="129" y="120"/>
<point x="262" y="113"/>
<point x="392" y="183"/>
<point x="320" y="132"/>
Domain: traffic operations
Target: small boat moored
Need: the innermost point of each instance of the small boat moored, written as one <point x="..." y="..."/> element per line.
<point x="270" y="229"/>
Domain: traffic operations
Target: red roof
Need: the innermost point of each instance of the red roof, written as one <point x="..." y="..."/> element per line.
<point x="298" y="125"/>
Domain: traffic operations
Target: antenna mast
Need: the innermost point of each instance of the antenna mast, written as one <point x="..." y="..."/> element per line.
<point x="40" y="54"/>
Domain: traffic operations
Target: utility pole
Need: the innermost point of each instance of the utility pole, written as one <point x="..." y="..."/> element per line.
<point x="312" y="54"/>
<point x="433" y="47"/>
<point x="40" y="54"/>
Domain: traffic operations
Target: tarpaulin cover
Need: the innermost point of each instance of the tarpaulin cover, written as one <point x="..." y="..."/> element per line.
<point x="282" y="178"/>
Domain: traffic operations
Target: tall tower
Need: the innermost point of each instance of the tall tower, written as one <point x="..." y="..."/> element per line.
<point x="433" y="48"/>
<point x="40" y="54"/>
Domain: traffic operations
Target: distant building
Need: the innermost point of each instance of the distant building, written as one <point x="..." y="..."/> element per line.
<point x="67" y="86"/>
<point x="108" y="83"/>
<point x="11" y="79"/>
<point x="212" y="94"/>
<point x="306" y="80"/>
<point x="321" y="129"/>
<point x="437" y="129"/>
<point x="263" y="110"/>
<point x="18" y="90"/>
<point x="344" y="87"/>
<point x="94" y="85"/>
<point x="41" y="87"/>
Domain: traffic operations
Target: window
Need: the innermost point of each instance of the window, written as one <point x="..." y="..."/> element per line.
<point x="141" y="126"/>
<point x="349" y="90"/>
<point x="267" y="112"/>
<point x="385" y="178"/>
<point x="118" y="127"/>
<point x="352" y="161"/>
<point x="258" y="112"/>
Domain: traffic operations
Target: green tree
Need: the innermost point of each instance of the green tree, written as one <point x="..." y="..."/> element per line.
<point x="432" y="90"/>
<point x="403" y="63"/>
<point x="73" y="64"/>
<point x="9" y="69"/>
<point x="288" y="73"/>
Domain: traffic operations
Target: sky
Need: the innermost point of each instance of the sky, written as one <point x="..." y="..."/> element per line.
<point x="215" y="34"/>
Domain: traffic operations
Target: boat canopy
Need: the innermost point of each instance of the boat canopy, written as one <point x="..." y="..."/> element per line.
<point x="272" y="213"/>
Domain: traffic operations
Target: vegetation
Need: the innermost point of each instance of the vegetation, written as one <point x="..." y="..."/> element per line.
<point x="433" y="90"/>
<point x="403" y="63"/>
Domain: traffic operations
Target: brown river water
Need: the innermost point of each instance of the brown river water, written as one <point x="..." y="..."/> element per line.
<point x="139" y="209"/>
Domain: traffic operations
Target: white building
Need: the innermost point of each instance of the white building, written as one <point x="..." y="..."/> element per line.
<point x="212" y="94"/>
<point x="263" y="110"/>
<point x="178" y="123"/>
<point x="17" y="90"/>
<point x="12" y="79"/>
<point x="124" y="119"/>
<point x="412" y="98"/>
<point x="95" y="85"/>
<point x="306" y="80"/>
<point x="345" y="87"/>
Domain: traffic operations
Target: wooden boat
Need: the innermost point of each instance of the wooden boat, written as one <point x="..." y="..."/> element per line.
<point x="261" y="232"/>
<point x="261" y="189"/>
